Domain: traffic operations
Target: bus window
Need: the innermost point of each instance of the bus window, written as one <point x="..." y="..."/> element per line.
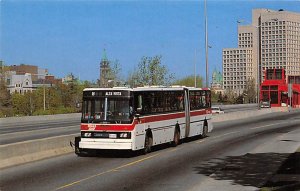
<point x="193" y="100"/>
<point x="140" y="103"/>
<point x="87" y="110"/>
<point x="203" y="99"/>
<point x="99" y="108"/>
<point x="208" y="100"/>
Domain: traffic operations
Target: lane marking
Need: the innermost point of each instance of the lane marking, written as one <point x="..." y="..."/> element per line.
<point x="108" y="171"/>
<point x="225" y="134"/>
<point x="172" y="150"/>
<point x="269" y="125"/>
<point x="200" y="141"/>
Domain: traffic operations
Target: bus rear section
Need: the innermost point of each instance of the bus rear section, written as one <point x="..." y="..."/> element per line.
<point x="139" y="118"/>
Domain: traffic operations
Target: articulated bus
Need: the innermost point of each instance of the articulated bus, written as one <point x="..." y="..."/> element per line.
<point x="139" y="118"/>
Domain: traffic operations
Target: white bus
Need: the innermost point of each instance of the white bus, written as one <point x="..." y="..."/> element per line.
<point x="139" y="118"/>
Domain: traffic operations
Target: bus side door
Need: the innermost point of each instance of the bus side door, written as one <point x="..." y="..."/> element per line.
<point x="187" y="111"/>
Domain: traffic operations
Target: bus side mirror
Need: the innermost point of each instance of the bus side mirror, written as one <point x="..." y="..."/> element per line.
<point x="139" y="110"/>
<point x="137" y="117"/>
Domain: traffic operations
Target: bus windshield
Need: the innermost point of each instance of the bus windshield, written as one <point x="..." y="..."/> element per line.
<point x="107" y="110"/>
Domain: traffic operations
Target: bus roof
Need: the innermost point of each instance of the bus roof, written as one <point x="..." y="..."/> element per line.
<point x="146" y="88"/>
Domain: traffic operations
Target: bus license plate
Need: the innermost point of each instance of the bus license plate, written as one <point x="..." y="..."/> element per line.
<point x="101" y="135"/>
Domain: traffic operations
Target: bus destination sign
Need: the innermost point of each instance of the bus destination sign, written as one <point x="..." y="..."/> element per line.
<point x="113" y="93"/>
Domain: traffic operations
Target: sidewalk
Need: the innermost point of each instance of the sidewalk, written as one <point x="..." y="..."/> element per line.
<point x="287" y="178"/>
<point x="272" y="165"/>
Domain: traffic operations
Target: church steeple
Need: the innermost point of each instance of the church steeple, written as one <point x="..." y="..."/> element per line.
<point x="104" y="57"/>
<point x="104" y="70"/>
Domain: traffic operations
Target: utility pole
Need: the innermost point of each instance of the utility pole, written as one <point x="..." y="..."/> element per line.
<point x="206" y="43"/>
<point x="195" y="76"/>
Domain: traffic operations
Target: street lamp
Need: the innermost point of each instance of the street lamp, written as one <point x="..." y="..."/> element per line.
<point x="195" y="77"/>
<point x="206" y="44"/>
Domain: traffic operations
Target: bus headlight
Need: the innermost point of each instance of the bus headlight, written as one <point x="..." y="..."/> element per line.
<point x="87" y="134"/>
<point x="126" y="135"/>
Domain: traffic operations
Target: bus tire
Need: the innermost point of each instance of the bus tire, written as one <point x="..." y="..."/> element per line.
<point x="148" y="143"/>
<point x="80" y="153"/>
<point x="176" y="139"/>
<point x="205" y="130"/>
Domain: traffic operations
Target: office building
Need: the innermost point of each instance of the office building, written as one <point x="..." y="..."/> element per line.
<point x="237" y="68"/>
<point x="272" y="40"/>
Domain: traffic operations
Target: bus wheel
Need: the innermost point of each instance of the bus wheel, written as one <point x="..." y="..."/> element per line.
<point x="176" y="139"/>
<point x="205" y="130"/>
<point x="148" y="144"/>
<point x="79" y="152"/>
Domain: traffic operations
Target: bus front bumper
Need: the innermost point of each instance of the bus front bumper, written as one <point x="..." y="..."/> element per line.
<point x="119" y="144"/>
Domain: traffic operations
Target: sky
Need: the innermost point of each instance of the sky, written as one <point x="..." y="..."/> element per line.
<point x="67" y="36"/>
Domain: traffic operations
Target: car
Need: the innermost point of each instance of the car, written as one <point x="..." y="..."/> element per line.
<point x="216" y="110"/>
<point x="265" y="104"/>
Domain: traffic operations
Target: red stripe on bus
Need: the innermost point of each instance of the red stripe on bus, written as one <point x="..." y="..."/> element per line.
<point x="162" y="117"/>
<point x="107" y="127"/>
<point x="146" y="119"/>
<point x="201" y="112"/>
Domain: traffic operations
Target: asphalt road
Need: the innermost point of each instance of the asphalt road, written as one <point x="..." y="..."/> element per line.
<point x="237" y="155"/>
<point x="24" y="131"/>
<point x="12" y="133"/>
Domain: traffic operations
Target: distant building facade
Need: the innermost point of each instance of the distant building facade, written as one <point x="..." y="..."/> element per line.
<point x="22" y="69"/>
<point x="26" y="78"/>
<point x="271" y="41"/>
<point x="17" y="83"/>
<point x="279" y="40"/>
<point x="217" y="82"/>
<point x="69" y="79"/>
<point x="237" y="68"/>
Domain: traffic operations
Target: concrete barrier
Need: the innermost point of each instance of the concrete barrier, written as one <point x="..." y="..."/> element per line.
<point x="245" y="114"/>
<point x="27" y="151"/>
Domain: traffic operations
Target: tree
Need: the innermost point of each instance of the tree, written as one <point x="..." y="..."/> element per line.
<point x="250" y="91"/>
<point x="151" y="72"/>
<point x="21" y="104"/>
<point x="5" y="98"/>
<point x="115" y="73"/>
<point x="189" y="81"/>
<point x="229" y="96"/>
<point x="215" y="97"/>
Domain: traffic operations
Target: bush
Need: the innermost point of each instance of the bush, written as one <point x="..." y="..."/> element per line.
<point x="6" y="112"/>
